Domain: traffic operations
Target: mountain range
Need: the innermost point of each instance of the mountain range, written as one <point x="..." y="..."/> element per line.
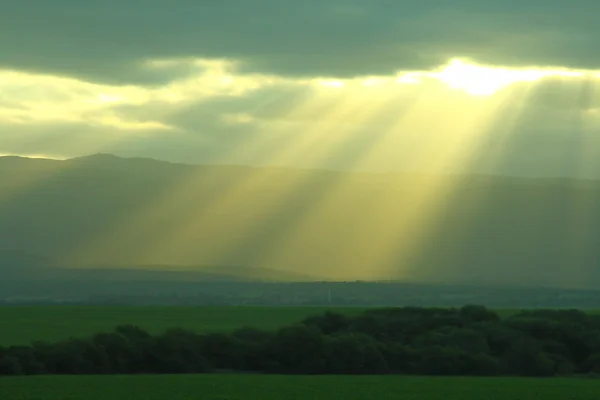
<point x="104" y="216"/>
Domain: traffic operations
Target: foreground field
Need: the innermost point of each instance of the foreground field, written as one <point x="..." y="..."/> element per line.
<point x="259" y="387"/>
<point x="22" y="325"/>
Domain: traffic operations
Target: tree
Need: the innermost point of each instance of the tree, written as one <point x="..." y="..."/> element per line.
<point x="10" y="365"/>
<point x="329" y="323"/>
<point x="525" y="357"/>
<point x="178" y="351"/>
<point x="467" y="340"/>
<point x="475" y="313"/>
<point x="300" y="349"/>
<point x="354" y="354"/>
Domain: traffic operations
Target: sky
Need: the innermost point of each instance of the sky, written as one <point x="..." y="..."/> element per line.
<point x="431" y="85"/>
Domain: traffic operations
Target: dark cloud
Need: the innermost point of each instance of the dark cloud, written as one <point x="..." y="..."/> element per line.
<point x="106" y="40"/>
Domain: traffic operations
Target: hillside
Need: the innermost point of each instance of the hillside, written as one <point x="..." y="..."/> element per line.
<point x="107" y="212"/>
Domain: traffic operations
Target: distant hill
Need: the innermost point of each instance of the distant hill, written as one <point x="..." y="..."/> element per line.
<point x="20" y="260"/>
<point x="124" y="214"/>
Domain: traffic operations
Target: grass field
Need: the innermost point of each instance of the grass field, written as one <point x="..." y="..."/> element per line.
<point x="261" y="387"/>
<point x="22" y="325"/>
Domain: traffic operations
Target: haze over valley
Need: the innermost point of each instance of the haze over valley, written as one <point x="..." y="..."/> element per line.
<point x="106" y="212"/>
<point x="418" y="142"/>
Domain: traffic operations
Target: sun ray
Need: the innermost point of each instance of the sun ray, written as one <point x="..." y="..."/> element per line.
<point x="381" y="217"/>
<point x="493" y="142"/>
<point x="443" y="131"/>
<point x="581" y="210"/>
<point x="158" y="216"/>
<point x="335" y="111"/>
<point x="328" y="199"/>
<point x="318" y="190"/>
<point x="576" y="157"/>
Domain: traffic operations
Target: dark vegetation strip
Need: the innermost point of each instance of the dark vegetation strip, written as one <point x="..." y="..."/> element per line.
<point x="471" y="340"/>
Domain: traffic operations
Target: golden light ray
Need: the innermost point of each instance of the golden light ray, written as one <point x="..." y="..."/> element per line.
<point x="470" y="132"/>
<point x="332" y="113"/>
<point x="462" y="119"/>
<point x="581" y="206"/>
<point x="337" y="188"/>
<point x="179" y="233"/>
<point x="212" y="83"/>
<point x="499" y="129"/>
<point x="505" y="130"/>
<point x="247" y="187"/>
<point x="401" y="241"/>
<point x="157" y="217"/>
<point x="392" y="223"/>
<point x="317" y="192"/>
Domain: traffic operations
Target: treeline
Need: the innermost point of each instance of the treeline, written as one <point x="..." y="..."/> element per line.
<point x="471" y="340"/>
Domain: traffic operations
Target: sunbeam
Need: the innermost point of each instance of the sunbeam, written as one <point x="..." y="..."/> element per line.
<point x="350" y="109"/>
<point x="159" y="217"/>
<point x="429" y="128"/>
<point x="390" y="222"/>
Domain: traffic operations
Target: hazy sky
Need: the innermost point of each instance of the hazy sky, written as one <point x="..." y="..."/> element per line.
<point x="321" y="83"/>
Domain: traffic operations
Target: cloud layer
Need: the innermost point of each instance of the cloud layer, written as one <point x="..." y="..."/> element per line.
<point x="109" y="40"/>
<point x="329" y="84"/>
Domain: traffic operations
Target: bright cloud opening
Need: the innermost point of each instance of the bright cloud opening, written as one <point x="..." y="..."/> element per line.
<point x="485" y="81"/>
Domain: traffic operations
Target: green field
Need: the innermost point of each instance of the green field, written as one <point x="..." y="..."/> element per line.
<point x="261" y="387"/>
<point x="22" y="325"/>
